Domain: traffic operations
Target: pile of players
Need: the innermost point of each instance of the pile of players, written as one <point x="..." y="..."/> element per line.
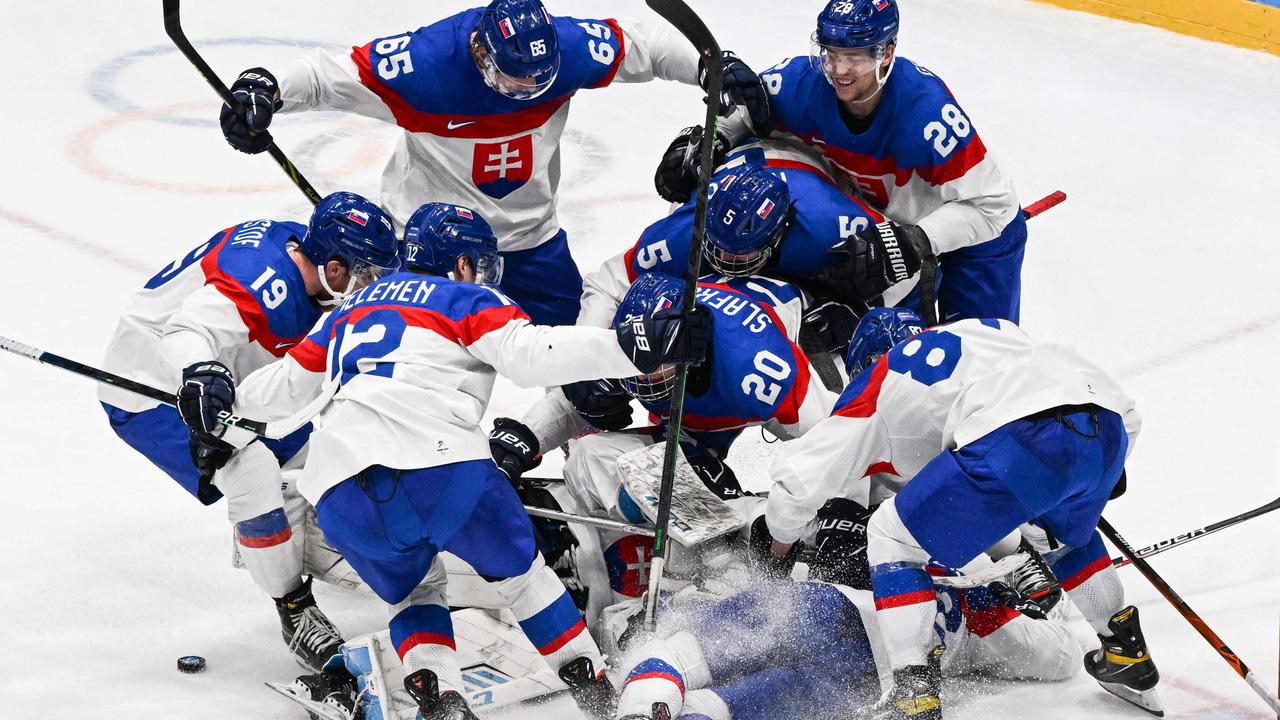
<point x="926" y="477"/>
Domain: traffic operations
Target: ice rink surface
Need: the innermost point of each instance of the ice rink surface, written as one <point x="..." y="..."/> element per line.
<point x="1161" y="267"/>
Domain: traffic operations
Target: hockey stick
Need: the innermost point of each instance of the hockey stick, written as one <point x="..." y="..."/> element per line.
<point x="1053" y="199"/>
<point x="173" y="26"/>
<point x="695" y="31"/>
<point x="1187" y="537"/>
<point x="273" y="430"/>
<point x="1191" y="616"/>
<point x="602" y="523"/>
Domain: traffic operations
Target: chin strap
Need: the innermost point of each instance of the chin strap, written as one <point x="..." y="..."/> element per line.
<point x="335" y="298"/>
<point x="880" y="81"/>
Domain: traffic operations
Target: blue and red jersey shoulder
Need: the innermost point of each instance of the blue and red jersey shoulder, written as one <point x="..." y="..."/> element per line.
<point x="249" y="263"/>
<point x="459" y="312"/>
<point x="431" y="84"/>
<point x="757" y="374"/>
<point x="918" y="127"/>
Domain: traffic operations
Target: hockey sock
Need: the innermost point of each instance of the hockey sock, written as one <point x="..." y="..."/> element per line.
<point x="1006" y="547"/>
<point x="422" y="632"/>
<point x="704" y="705"/>
<point x="268" y="553"/>
<point x="1091" y="582"/>
<point x="906" y="602"/>
<point x="666" y="670"/>
<point x="548" y="616"/>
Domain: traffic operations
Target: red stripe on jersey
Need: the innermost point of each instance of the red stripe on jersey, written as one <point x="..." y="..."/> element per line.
<point x="453" y="126"/>
<point x="251" y="312"/>
<point x="768" y="309"/>
<point x="310" y="355"/>
<point x="955" y="166"/>
<point x="871" y="212"/>
<point x="911" y="598"/>
<point x="617" y="60"/>
<point x="1086" y="572"/>
<point x="424" y="638"/>
<point x="864" y="405"/>
<point x="984" y="622"/>
<point x="629" y="261"/>
<point x="858" y="164"/>
<point x="466" y="331"/>
<point x="658" y="675"/>
<point x="788" y="412"/>
<point x="888" y="469"/>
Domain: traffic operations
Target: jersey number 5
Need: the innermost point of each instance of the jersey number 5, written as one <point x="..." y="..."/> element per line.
<point x="650" y="255"/>
<point x="771" y="366"/>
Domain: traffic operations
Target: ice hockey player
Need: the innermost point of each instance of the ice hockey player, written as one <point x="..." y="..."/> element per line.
<point x="400" y="469"/>
<point x="986" y="429"/>
<point x="897" y="133"/>
<point x="482" y="97"/>
<point x="812" y="649"/>
<point x="754" y="374"/>
<point x="774" y="211"/>
<point x="230" y="306"/>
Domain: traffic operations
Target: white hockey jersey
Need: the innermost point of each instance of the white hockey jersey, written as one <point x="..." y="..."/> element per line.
<point x="411" y="361"/>
<point x="464" y="143"/>
<point x="938" y="391"/>
<point x="238" y="298"/>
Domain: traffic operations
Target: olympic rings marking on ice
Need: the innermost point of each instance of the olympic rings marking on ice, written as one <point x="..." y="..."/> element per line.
<point x="83" y="150"/>
<point x="101" y="83"/>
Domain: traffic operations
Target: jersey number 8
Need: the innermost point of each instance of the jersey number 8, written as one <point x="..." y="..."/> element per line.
<point x="943" y="141"/>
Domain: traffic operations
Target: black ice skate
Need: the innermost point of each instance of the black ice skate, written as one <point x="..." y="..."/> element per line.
<point x="1035" y="581"/>
<point x="659" y="711"/>
<point x="915" y="694"/>
<point x="593" y="693"/>
<point x="1123" y="666"/>
<point x="334" y="688"/>
<point x="306" y="630"/>
<point x="424" y="688"/>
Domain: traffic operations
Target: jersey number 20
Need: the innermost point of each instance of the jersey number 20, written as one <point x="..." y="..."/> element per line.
<point x="772" y="367"/>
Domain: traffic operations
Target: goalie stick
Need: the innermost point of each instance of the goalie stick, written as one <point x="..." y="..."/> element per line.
<point x="1198" y="533"/>
<point x="695" y="31"/>
<point x="173" y="27"/>
<point x="1190" y="615"/>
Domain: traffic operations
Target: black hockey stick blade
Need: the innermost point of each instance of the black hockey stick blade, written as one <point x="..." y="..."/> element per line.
<point x="1191" y="616"/>
<point x="173" y="27"/>
<point x="102" y="376"/>
<point x="1198" y="533"/>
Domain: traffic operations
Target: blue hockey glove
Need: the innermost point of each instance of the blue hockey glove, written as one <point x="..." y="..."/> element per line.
<point x="667" y="336"/>
<point x="207" y="390"/>
<point x="677" y="174"/>
<point x="515" y="448"/>
<point x="742" y="86"/>
<point x="603" y="403"/>
<point x="259" y="97"/>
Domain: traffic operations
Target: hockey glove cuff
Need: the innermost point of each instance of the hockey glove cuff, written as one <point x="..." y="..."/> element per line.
<point x="742" y="86"/>
<point x="677" y="176"/>
<point x="258" y="95"/>
<point x="603" y="403"/>
<point x="827" y="327"/>
<point x="876" y="258"/>
<point x="667" y="336"/>
<point x="515" y="448"/>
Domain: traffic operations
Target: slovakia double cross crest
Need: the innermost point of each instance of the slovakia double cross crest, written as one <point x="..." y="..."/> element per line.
<point x="500" y="168"/>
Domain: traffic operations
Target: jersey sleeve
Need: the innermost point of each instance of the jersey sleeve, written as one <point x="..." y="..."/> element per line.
<point x="553" y="419"/>
<point x="655" y="50"/>
<point x="207" y="323"/>
<point x="323" y="80"/>
<point x="500" y="334"/>
<point x="603" y="290"/>
<point x="812" y="404"/>
<point x="284" y="387"/>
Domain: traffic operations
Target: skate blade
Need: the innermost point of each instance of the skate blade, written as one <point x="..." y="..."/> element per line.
<point x="1148" y="700"/>
<point x="323" y="711"/>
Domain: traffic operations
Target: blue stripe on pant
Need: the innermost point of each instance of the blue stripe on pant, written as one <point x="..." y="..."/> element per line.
<point x="160" y="435"/>
<point x="965" y="500"/>
<point x="391" y="524"/>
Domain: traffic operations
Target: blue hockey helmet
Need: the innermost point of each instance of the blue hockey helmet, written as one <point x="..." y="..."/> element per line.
<point x="878" y="331"/>
<point x="746" y="219"/>
<point x="437" y="234"/>
<point x="650" y="293"/>
<point x="858" y="31"/>
<point x="349" y="228"/>
<point x="521" y="52"/>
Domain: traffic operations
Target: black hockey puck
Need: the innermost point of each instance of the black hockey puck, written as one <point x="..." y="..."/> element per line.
<point x="190" y="664"/>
